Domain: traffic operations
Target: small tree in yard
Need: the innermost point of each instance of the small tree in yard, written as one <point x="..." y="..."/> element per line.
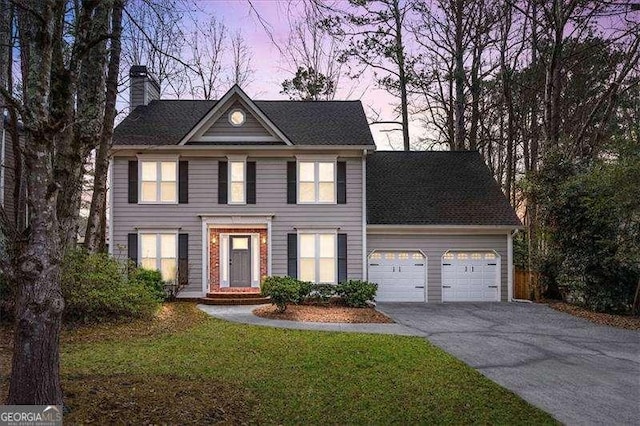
<point x="592" y="215"/>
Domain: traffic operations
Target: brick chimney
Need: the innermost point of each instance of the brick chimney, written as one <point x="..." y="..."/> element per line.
<point x="143" y="87"/>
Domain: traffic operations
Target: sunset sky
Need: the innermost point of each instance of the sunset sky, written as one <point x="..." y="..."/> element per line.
<point x="271" y="69"/>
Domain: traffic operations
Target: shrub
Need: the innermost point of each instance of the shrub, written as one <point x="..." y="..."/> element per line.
<point x="281" y="290"/>
<point x="150" y="279"/>
<point x="322" y="293"/>
<point x="356" y="293"/>
<point x="589" y="226"/>
<point x="304" y="291"/>
<point x="96" y="288"/>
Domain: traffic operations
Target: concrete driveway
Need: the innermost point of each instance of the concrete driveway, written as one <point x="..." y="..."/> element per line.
<point x="579" y="372"/>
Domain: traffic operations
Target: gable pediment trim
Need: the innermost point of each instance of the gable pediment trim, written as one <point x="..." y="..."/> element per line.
<point x="196" y="133"/>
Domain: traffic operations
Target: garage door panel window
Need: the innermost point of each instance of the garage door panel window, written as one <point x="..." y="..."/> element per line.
<point x="317" y="257"/>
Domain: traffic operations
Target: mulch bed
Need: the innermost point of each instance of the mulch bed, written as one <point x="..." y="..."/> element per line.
<point x="620" y="321"/>
<point x="332" y="312"/>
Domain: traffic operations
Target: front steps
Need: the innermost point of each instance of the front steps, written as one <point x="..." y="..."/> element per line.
<point x="229" y="298"/>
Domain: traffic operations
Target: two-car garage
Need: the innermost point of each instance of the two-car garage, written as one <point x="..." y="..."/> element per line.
<point x="435" y="272"/>
<point x="439" y="228"/>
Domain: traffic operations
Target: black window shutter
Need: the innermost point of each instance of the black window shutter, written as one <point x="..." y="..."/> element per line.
<point x="292" y="255"/>
<point x="251" y="182"/>
<point x="132" y="247"/>
<point x="183" y="259"/>
<point x="183" y="182"/>
<point x="342" y="257"/>
<point x="133" y="181"/>
<point x="291" y="182"/>
<point x="342" y="182"/>
<point x="222" y="182"/>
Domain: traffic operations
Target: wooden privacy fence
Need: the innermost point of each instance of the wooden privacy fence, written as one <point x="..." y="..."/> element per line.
<point x="525" y="285"/>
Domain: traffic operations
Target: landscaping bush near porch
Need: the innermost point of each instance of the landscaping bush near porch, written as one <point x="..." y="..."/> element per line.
<point x="97" y="287"/>
<point x="287" y="290"/>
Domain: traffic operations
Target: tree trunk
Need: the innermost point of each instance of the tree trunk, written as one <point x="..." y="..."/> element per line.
<point x="402" y="78"/>
<point x="35" y="371"/>
<point x="459" y="74"/>
<point x="96" y="223"/>
<point x="553" y="80"/>
<point x="88" y="126"/>
<point x="475" y="97"/>
<point x="49" y="77"/>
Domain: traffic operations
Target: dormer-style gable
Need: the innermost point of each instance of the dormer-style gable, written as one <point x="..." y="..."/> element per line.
<point x="235" y="119"/>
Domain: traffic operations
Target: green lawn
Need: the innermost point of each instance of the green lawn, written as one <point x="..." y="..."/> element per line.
<point x="219" y="371"/>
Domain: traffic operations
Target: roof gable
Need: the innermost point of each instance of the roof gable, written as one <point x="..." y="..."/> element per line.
<point x="215" y="126"/>
<point x="321" y="124"/>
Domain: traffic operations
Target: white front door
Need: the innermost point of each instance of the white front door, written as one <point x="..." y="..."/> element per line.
<point x="400" y="275"/>
<point x="470" y="277"/>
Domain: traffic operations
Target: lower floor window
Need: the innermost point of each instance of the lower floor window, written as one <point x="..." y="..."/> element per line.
<point x="317" y="257"/>
<point x="158" y="251"/>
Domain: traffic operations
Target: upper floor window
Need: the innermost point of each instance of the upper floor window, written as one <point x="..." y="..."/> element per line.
<point x="237" y="179"/>
<point x="316" y="182"/>
<point x="158" y="182"/>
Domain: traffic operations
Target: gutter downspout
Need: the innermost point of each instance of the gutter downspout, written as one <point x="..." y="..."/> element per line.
<point x="510" y="267"/>
<point x="110" y="206"/>
<point x="364" y="215"/>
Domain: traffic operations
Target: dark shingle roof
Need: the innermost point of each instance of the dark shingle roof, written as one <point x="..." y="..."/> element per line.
<point x="434" y="188"/>
<point x="166" y="122"/>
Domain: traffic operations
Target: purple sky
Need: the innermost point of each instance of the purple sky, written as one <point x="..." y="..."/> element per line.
<point x="271" y="69"/>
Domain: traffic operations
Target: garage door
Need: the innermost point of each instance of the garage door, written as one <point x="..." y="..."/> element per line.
<point x="470" y="277"/>
<point x="400" y="275"/>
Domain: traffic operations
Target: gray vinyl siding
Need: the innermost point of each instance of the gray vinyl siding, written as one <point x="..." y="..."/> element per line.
<point x="434" y="246"/>
<point x="271" y="197"/>
<point x="251" y="126"/>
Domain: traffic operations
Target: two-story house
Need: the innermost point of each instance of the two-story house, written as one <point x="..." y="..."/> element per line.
<point x="223" y="193"/>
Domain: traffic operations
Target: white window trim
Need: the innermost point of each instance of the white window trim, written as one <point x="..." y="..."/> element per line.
<point x="157" y="233"/>
<point x="316" y="233"/>
<point x="316" y="179"/>
<point x="158" y="160"/>
<point x="242" y="160"/>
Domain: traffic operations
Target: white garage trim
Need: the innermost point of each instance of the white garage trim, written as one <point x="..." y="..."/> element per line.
<point x="497" y="278"/>
<point x="409" y="250"/>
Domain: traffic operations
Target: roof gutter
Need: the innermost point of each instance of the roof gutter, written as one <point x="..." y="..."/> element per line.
<point x="204" y="147"/>
<point x="435" y="229"/>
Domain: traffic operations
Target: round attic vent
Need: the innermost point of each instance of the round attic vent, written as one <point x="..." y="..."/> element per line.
<point x="237" y="117"/>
